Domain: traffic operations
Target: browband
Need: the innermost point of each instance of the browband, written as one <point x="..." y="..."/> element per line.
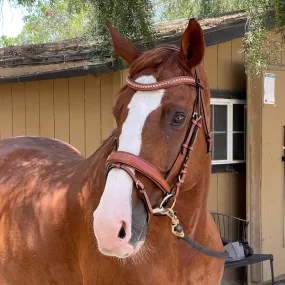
<point x="163" y="83"/>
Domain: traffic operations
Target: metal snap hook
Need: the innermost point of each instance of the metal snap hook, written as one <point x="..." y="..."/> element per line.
<point x="165" y="199"/>
<point x="161" y="210"/>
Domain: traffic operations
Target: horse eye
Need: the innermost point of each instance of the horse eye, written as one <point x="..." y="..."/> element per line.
<point x="178" y="119"/>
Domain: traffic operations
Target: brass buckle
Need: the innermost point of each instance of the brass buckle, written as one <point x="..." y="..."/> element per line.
<point x="196" y="116"/>
<point x="176" y="228"/>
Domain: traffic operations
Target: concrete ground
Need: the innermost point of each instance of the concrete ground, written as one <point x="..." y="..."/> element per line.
<point x="234" y="277"/>
<point x="281" y="282"/>
<point x="278" y="281"/>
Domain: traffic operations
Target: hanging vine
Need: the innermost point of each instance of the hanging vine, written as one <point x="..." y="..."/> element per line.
<point x="259" y="48"/>
<point x="132" y="18"/>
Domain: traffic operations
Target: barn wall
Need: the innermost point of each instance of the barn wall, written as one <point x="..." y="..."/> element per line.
<point x="225" y="71"/>
<point x="76" y="110"/>
<point x="224" y="66"/>
<point x="227" y="193"/>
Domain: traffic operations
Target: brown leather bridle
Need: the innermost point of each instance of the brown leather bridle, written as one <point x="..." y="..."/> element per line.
<point x="174" y="179"/>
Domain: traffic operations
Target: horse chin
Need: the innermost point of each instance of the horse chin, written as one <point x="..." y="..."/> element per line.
<point x="138" y="247"/>
<point x="123" y="251"/>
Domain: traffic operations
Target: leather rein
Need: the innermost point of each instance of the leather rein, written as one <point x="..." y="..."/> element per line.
<point x="171" y="184"/>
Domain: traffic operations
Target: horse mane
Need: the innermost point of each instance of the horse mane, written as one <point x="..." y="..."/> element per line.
<point x="152" y="59"/>
<point x="100" y="154"/>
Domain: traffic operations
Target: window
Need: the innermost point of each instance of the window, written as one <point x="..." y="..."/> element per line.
<point x="228" y="125"/>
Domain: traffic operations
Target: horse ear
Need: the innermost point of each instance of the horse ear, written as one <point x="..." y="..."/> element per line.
<point x="192" y="44"/>
<point x="123" y="47"/>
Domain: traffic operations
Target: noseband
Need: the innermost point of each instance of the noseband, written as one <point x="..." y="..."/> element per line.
<point x="171" y="184"/>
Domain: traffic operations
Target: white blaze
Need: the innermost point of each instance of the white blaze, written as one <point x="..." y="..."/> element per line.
<point x="116" y="198"/>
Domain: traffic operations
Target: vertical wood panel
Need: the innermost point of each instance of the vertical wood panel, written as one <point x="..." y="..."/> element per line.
<point x="125" y="75"/>
<point x="225" y="76"/>
<point x="238" y="70"/>
<point x="92" y="114"/>
<point x="117" y="84"/>
<point x="77" y="116"/>
<point x="6" y="111"/>
<point x="61" y="109"/>
<point x="19" y="109"/>
<point x="235" y="207"/>
<point x="32" y="108"/>
<point x="106" y="105"/>
<point x="224" y="199"/>
<point x="224" y="193"/>
<point x="213" y="194"/>
<point x="211" y="66"/>
<point x="46" y="108"/>
<point x="238" y="199"/>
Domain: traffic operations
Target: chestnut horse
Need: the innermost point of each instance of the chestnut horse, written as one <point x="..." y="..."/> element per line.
<point x="63" y="221"/>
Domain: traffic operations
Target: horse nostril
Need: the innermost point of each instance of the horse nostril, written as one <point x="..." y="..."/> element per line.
<point x="122" y="232"/>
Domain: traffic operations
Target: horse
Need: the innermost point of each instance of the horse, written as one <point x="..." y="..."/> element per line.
<point x="120" y="215"/>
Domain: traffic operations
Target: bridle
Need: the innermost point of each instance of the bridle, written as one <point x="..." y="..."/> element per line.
<point x="171" y="184"/>
<point x="174" y="179"/>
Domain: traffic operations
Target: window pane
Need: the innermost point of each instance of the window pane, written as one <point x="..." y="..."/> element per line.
<point x="219" y="147"/>
<point x="238" y="146"/>
<point x="238" y="117"/>
<point x="220" y="118"/>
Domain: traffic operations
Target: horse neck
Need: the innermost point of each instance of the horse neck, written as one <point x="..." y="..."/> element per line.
<point x="95" y="174"/>
<point x="192" y="203"/>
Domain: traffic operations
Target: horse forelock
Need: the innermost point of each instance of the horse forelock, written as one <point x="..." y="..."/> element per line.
<point x="151" y="59"/>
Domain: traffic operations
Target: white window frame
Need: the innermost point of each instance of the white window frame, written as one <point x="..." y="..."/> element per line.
<point x="229" y="103"/>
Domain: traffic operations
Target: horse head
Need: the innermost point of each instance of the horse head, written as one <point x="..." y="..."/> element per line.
<point x="158" y="115"/>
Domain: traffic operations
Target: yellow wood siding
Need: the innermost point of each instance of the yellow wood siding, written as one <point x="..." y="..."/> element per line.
<point x="61" y="110"/>
<point x="211" y="66"/>
<point x="238" y="70"/>
<point x="75" y="110"/>
<point x="107" y="123"/>
<point x="46" y="108"/>
<point x="18" y="105"/>
<point x="224" y="66"/>
<point x="6" y="111"/>
<point x="32" y="108"/>
<point x="227" y="193"/>
<point x="77" y="113"/>
<point x="92" y="114"/>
